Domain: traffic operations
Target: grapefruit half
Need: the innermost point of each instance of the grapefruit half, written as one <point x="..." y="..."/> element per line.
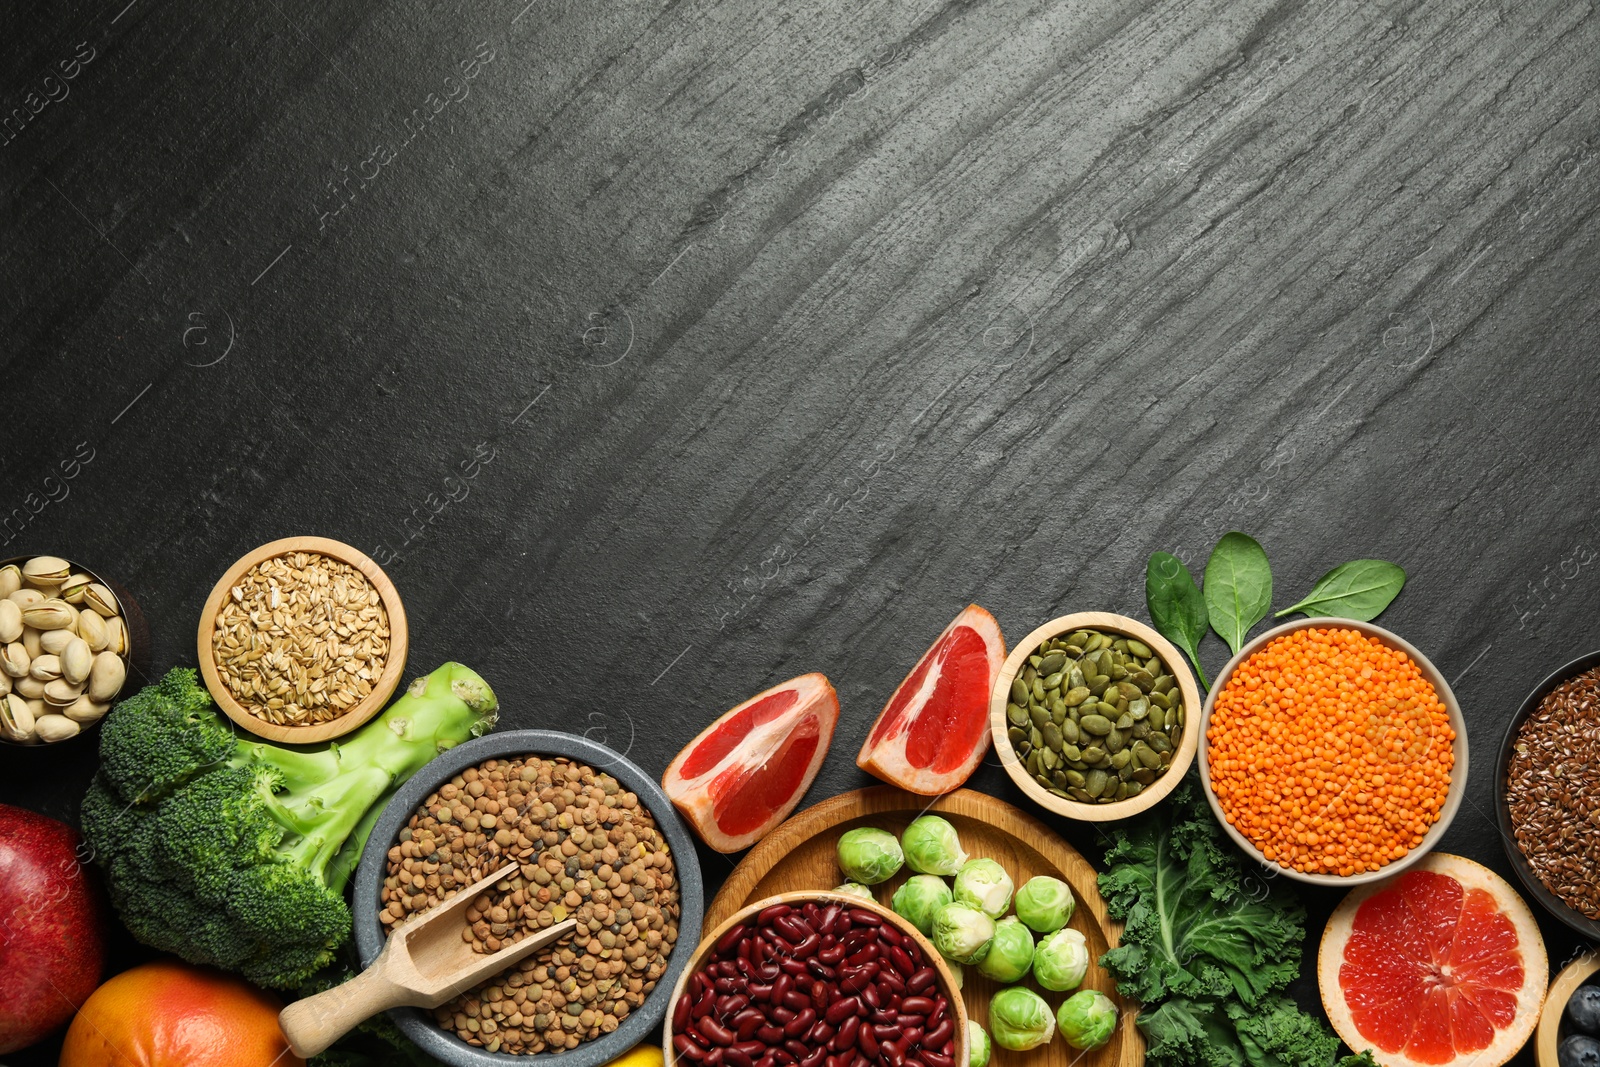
<point x="934" y="731"/>
<point x="745" y="772"/>
<point x="1442" y="964"/>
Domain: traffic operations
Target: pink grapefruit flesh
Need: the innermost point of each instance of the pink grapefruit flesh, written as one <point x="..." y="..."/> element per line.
<point x="746" y="772"/>
<point x="934" y="731"/>
<point x="1442" y="964"/>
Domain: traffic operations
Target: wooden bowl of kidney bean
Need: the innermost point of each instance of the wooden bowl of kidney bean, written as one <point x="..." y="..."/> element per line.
<point x="812" y="979"/>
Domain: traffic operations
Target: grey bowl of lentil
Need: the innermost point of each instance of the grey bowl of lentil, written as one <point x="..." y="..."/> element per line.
<point x="1535" y="886"/>
<point x="370" y="875"/>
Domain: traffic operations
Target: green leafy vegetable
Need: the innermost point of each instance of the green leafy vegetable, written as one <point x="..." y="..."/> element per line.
<point x="1208" y="946"/>
<point x="1176" y="605"/>
<point x="1358" y="590"/>
<point x="227" y="850"/>
<point x="1238" y="587"/>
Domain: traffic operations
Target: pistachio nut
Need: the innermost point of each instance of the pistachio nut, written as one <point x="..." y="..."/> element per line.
<point x="55" y="728"/>
<point x="60" y="693"/>
<point x="28" y="687"/>
<point x="55" y="642"/>
<point x="100" y="598"/>
<point x="52" y="614"/>
<point x="5" y="684"/>
<point x="10" y="621"/>
<point x="106" y="676"/>
<point x="46" y="570"/>
<point x="77" y="660"/>
<point x="92" y="628"/>
<point x="26" y="597"/>
<point x="85" y="710"/>
<point x="73" y="588"/>
<point x="10" y="579"/>
<point x="116" y="635"/>
<point x="31" y="642"/>
<point x="15" y="660"/>
<point x="46" y="668"/>
<point x="16" y="720"/>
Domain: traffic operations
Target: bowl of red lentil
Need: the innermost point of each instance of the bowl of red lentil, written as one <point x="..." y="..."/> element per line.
<point x="596" y="840"/>
<point x="1547" y="794"/>
<point x="1333" y="752"/>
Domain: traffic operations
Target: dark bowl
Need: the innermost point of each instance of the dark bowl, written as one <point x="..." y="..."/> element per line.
<point x="1586" y="926"/>
<point x="374" y="862"/>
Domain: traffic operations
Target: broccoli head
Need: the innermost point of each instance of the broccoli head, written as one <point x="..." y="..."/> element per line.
<point x="230" y="851"/>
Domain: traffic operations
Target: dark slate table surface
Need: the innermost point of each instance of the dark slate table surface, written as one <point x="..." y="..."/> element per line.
<point x="662" y="351"/>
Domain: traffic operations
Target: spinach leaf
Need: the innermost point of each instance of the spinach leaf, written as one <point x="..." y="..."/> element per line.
<point x="1238" y="587"/>
<point x="1176" y="606"/>
<point x="1358" y="590"/>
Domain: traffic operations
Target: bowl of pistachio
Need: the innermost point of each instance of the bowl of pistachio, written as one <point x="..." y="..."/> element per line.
<point x="68" y="639"/>
<point x="1094" y="716"/>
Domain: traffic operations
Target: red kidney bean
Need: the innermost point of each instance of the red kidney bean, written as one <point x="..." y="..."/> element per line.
<point x="842" y="1059"/>
<point x="842" y="1009"/>
<point x="744" y="947"/>
<point x="734" y="1058"/>
<point x="783" y="1056"/>
<point x="789" y="927"/>
<point x="715" y="1031"/>
<point x="792" y="966"/>
<point x="768" y="1059"/>
<point x="751" y="1048"/>
<point x="882" y="1017"/>
<point x="862" y="917"/>
<point x="910" y="1036"/>
<point x="780" y="1014"/>
<point x="828" y="918"/>
<point x="701" y="984"/>
<point x="746" y="1023"/>
<point x="703" y="1007"/>
<point x="937" y="1037"/>
<point x="766" y="915"/>
<point x="890" y="979"/>
<point x="761" y="991"/>
<point x="819" y="996"/>
<point x="821" y="1033"/>
<point x="732" y="1003"/>
<point x="728" y="969"/>
<point x="688" y="1048"/>
<point x="891" y="935"/>
<point x="801" y="1023"/>
<point x="855" y="939"/>
<point x="724" y="986"/>
<point x="821" y="970"/>
<point x="772" y="1034"/>
<point x="846" y="1037"/>
<point x="870" y="996"/>
<point x="831" y="955"/>
<point x="921" y="980"/>
<point x="867" y="1042"/>
<point x="936" y="1016"/>
<point x="861" y="978"/>
<point x="913" y="1061"/>
<point x="730" y="940"/>
<point x="903" y="1020"/>
<point x="781" y="984"/>
<point x="796" y="1001"/>
<point x="936" y="1059"/>
<point x="861" y="1061"/>
<point x="917" y="1005"/>
<point x="866" y="954"/>
<point x="745" y="967"/>
<point x="814" y="1058"/>
<point x="885" y="1033"/>
<point x="800" y="1051"/>
<point x="902" y="960"/>
<point x="714" y="1058"/>
<point x="812" y="909"/>
<point x="680" y="1014"/>
<point x="807" y="947"/>
<point x="893" y="1054"/>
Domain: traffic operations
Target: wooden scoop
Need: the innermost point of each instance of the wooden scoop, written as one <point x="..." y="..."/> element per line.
<point x="424" y="963"/>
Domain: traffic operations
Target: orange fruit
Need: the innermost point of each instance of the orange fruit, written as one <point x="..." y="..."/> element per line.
<point x="170" y="1014"/>
<point x="1441" y="964"/>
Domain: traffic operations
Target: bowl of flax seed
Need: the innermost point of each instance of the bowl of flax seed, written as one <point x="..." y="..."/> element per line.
<point x="1547" y="799"/>
<point x="302" y="640"/>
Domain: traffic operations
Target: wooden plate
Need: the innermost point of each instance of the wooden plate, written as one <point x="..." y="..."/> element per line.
<point x="801" y="855"/>
<point x="1548" y="1036"/>
<point x="359" y="713"/>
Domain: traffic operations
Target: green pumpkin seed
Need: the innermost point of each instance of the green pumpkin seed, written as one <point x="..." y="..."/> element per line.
<point x="1162" y="684"/>
<point x="1052" y="681"/>
<point x="1138" y="708"/>
<point x="1052" y="663"/>
<point x="1095" y="783"/>
<point x="1093" y="754"/>
<point x="1107" y="710"/>
<point x="1035" y="738"/>
<point x="1146" y="755"/>
<point x="1162" y="700"/>
<point x="1037" y="689"/>
<point x="1019" y="692"/>
<point x="1058" y="717"/>
<point x="1125" y="721"/>
<point x="1072" y="753"/>
<point x="1081" y="796"/>
<point x="1075" y="778"/>
<point x="1029" y="676"/>
<point x="1139" y="648"/>
<point x="1159" y="743"/>
<point x="1121" y="759"/>
<point x="1048" y="759"/>
<point x="1098" y="725"/>
<point x="1076" y="695"/>
<point x="1034" y="661"/>
<point x="1044" y="780"/>
<point x="1178" y="711"/>
<point x="1052" y="736"/>
<point x="1038" y="716"/>
<point x="1017" y="715"/>
<point x="1018" y="736"/>
<point x="1143" y="679"/>
<point x="1158" y="718"/>
<point x="1144" y="775"/>
<point x="1140" y="732"/>
<point x="1032" y="762"/>
<point x="1134" y="788"/>
<point x="1129" y="690"/>
<point x="1070" y="733"/>
<point x="1115" y="740"/>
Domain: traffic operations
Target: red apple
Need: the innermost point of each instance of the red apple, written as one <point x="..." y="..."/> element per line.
<point x="52" y="927"/>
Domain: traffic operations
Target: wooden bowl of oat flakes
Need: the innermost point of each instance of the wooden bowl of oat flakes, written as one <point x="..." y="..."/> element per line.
<point x="303" y="640"/>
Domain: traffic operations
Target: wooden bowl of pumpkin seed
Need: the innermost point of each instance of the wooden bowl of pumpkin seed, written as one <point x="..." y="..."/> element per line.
<point x="1095" y="716"/>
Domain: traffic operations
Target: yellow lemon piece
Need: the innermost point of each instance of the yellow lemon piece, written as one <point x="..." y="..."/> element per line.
<point x="645" y="1055"/>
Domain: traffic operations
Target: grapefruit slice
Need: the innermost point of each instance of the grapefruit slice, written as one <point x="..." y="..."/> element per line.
<point x="1442" y="964"/>
<point x="934" y="731"/>
<point x="745" y="772"/>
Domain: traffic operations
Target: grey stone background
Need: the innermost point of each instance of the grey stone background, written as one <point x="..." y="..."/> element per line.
<point x="662" y="351"/>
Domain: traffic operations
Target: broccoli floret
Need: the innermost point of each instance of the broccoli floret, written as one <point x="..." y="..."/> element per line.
<point x="230" y="851"/>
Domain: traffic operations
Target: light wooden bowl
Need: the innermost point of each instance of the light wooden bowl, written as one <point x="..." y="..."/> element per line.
<point x="708" y="945"/>
<point x="1547" y="1038"/>
<point x="1126" y="627"/>
<point x="1458" y="775"/>
<point x="393" y="667"/>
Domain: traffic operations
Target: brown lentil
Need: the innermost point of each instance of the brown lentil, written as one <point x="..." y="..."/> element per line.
<point x="588" y="850"/>
<point x="1553" y="789"/>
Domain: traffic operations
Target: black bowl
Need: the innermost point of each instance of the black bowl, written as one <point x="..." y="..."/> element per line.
<point x="416" y="1024"/>
<point x="1586" y="926"/>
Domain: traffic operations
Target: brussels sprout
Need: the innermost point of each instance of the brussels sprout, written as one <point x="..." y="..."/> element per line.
<point x="1020" y="1019"/>
<point x="932" y="847"/>
<point x="1087" y="1019"/>
<point x="855" y="889"/>
<point x="977" y="1045"/>
<point x="919" y="898"/>
<point x="962" y="933"/>
<point x="1061" y="960"/>
<point x="1045" y="904"/>
<point x="984" y="884"/>
<point x="869" y="856"/>
<point x="1011" y="954"/>
<point x="957" y="972"/>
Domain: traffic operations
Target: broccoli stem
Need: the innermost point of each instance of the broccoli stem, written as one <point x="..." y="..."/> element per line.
<point x="328" y="800"/>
